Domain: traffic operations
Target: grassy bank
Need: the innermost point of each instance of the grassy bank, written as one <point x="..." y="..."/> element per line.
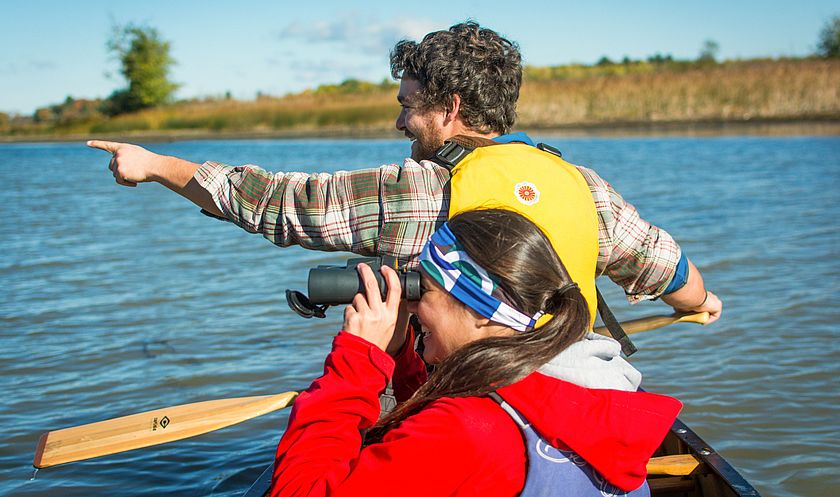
<point x="634" y="94"/>
<point x="758" y="90"/>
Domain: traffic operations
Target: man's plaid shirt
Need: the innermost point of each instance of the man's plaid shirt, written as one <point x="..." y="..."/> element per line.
<point x="392" y="210"/>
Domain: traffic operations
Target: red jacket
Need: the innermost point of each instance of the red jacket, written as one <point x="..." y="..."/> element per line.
<point x="455" y="446"/>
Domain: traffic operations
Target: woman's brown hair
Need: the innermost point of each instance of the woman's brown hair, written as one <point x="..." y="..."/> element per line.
<point x="517" y="253"/>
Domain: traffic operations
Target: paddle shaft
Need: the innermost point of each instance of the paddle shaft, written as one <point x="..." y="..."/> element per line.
<point x="151" y="428"/>
<point x="655" y="322"/>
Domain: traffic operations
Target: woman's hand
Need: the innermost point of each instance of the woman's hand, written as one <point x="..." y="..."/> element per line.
<point x="368" y="316"/>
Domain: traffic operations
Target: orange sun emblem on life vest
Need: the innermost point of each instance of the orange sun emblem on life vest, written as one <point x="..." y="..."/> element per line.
<point x="527" y="193"/>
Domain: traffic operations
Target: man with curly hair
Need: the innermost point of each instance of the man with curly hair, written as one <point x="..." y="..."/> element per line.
<point x="461" y="81"/>
<point x="468" y="77"/>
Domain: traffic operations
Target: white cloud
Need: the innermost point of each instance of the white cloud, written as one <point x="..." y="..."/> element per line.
<point x="362" y="35"/>
<point x="316" y="72"/>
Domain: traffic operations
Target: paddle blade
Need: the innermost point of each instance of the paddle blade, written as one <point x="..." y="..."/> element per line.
<point x="151" y="428"/>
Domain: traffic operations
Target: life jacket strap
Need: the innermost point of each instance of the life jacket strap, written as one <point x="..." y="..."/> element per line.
<point x="450" y="154"/>
<point x="613" y="326"/>
<point x="548" y="148"/>
<point x="458" y="147"/>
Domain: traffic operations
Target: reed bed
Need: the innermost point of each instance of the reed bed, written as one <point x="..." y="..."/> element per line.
<point x="734" y="91"/>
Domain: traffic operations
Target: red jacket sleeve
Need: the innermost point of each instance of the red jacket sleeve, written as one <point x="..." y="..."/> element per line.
<point x="451" y="445"/>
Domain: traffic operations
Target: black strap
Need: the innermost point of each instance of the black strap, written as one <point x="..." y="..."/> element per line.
<point x="450" y="154"/>
<point x="614" y="326"/>
<point x="548" y="148"/>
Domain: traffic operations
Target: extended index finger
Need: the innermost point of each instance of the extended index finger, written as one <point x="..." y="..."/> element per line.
<point x="104" y="145"/>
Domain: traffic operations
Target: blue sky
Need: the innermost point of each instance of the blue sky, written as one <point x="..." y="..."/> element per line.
<point x="52" y="49"/>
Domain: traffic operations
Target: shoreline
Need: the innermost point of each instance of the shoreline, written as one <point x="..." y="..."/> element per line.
<point x="804" y="127"/>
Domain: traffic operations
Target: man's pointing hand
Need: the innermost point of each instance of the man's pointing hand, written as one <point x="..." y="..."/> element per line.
<point x="130" y="164"/>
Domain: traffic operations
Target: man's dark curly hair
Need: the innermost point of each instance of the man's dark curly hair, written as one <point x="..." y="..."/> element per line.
<point x="473" y="62"/>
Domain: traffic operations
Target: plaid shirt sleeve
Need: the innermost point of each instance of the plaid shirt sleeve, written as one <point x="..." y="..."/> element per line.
<point x="390" y="210"/>
<point x="633" y="253"/>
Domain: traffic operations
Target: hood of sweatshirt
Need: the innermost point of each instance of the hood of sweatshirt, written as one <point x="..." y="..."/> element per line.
<point x="585" y="400"/>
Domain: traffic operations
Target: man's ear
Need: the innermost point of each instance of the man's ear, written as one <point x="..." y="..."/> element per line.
<point x="454" y="111"/>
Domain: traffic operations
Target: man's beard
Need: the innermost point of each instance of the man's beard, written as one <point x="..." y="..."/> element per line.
<point x="427" y="143"/>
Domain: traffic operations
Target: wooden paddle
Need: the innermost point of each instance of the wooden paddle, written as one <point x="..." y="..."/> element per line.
<point x="175" y="423"/>
<point x="655" y="322"/>
<point x="151" y="428"/>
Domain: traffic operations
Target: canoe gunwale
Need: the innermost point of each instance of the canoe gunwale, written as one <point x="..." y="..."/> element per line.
<point x="713" y="461"/>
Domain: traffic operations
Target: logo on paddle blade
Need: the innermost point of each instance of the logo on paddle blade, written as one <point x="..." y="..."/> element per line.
<point x="163" y="423"/>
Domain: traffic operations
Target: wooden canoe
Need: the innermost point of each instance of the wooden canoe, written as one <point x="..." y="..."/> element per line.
<point x="684" y="466"/>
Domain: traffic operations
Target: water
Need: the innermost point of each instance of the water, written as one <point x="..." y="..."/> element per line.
<point x="119" y="300"/>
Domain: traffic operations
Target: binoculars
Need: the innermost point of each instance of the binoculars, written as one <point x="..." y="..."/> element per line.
<point x="336" y="285"/>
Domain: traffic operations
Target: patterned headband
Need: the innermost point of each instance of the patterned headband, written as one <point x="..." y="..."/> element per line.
<point x="446" y="262"/>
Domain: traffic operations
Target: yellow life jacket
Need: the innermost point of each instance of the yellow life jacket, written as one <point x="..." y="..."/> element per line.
<point x="539" y="185"/>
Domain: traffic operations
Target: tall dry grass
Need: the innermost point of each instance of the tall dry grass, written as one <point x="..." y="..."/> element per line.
<point x="732" y="91"/>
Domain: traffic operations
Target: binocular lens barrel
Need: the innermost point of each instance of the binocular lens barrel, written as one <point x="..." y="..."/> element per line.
<point x="337" y="285"/>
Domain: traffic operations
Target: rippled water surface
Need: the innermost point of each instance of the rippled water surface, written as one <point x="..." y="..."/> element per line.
<point x="119" y="300"/>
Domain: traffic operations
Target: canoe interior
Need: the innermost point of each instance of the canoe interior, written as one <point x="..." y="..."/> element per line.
<point x="714" y="477"/>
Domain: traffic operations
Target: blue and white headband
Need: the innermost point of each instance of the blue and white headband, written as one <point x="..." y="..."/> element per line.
<point x="446" y="262"/>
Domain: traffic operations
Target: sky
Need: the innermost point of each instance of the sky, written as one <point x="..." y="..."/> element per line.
<point x="53" y="49"/>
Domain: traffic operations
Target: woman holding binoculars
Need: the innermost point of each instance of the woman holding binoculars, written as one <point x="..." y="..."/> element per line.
<point x="523" y="399"/>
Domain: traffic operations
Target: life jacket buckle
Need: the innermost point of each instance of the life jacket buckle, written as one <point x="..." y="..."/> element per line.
<point x="548" y="148"/>
<point x="450" y="154"/>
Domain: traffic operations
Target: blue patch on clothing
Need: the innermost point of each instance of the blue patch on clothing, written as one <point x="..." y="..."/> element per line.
<point x="515" y="137"/>
<point x="680" y="276"/>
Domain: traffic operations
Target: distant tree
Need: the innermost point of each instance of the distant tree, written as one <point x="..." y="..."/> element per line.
<point x="4" y="121"/>
<point x="829" y="44"/>
<point x="658" y="58"/>
<point x="387" y="84"/>
<point x="604" y="61"/>
<point x="626" y="60"/>
<point x="709" y="51"/>
<point x="44" y="115"/>
<point x="145" y="62"/>
<point x="353" y="86"/>
<point x="73" y="110"/>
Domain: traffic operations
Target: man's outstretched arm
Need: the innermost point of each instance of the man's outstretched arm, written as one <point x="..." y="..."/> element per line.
<point x="132" y="164"/>
<point x="320" y="211"/>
